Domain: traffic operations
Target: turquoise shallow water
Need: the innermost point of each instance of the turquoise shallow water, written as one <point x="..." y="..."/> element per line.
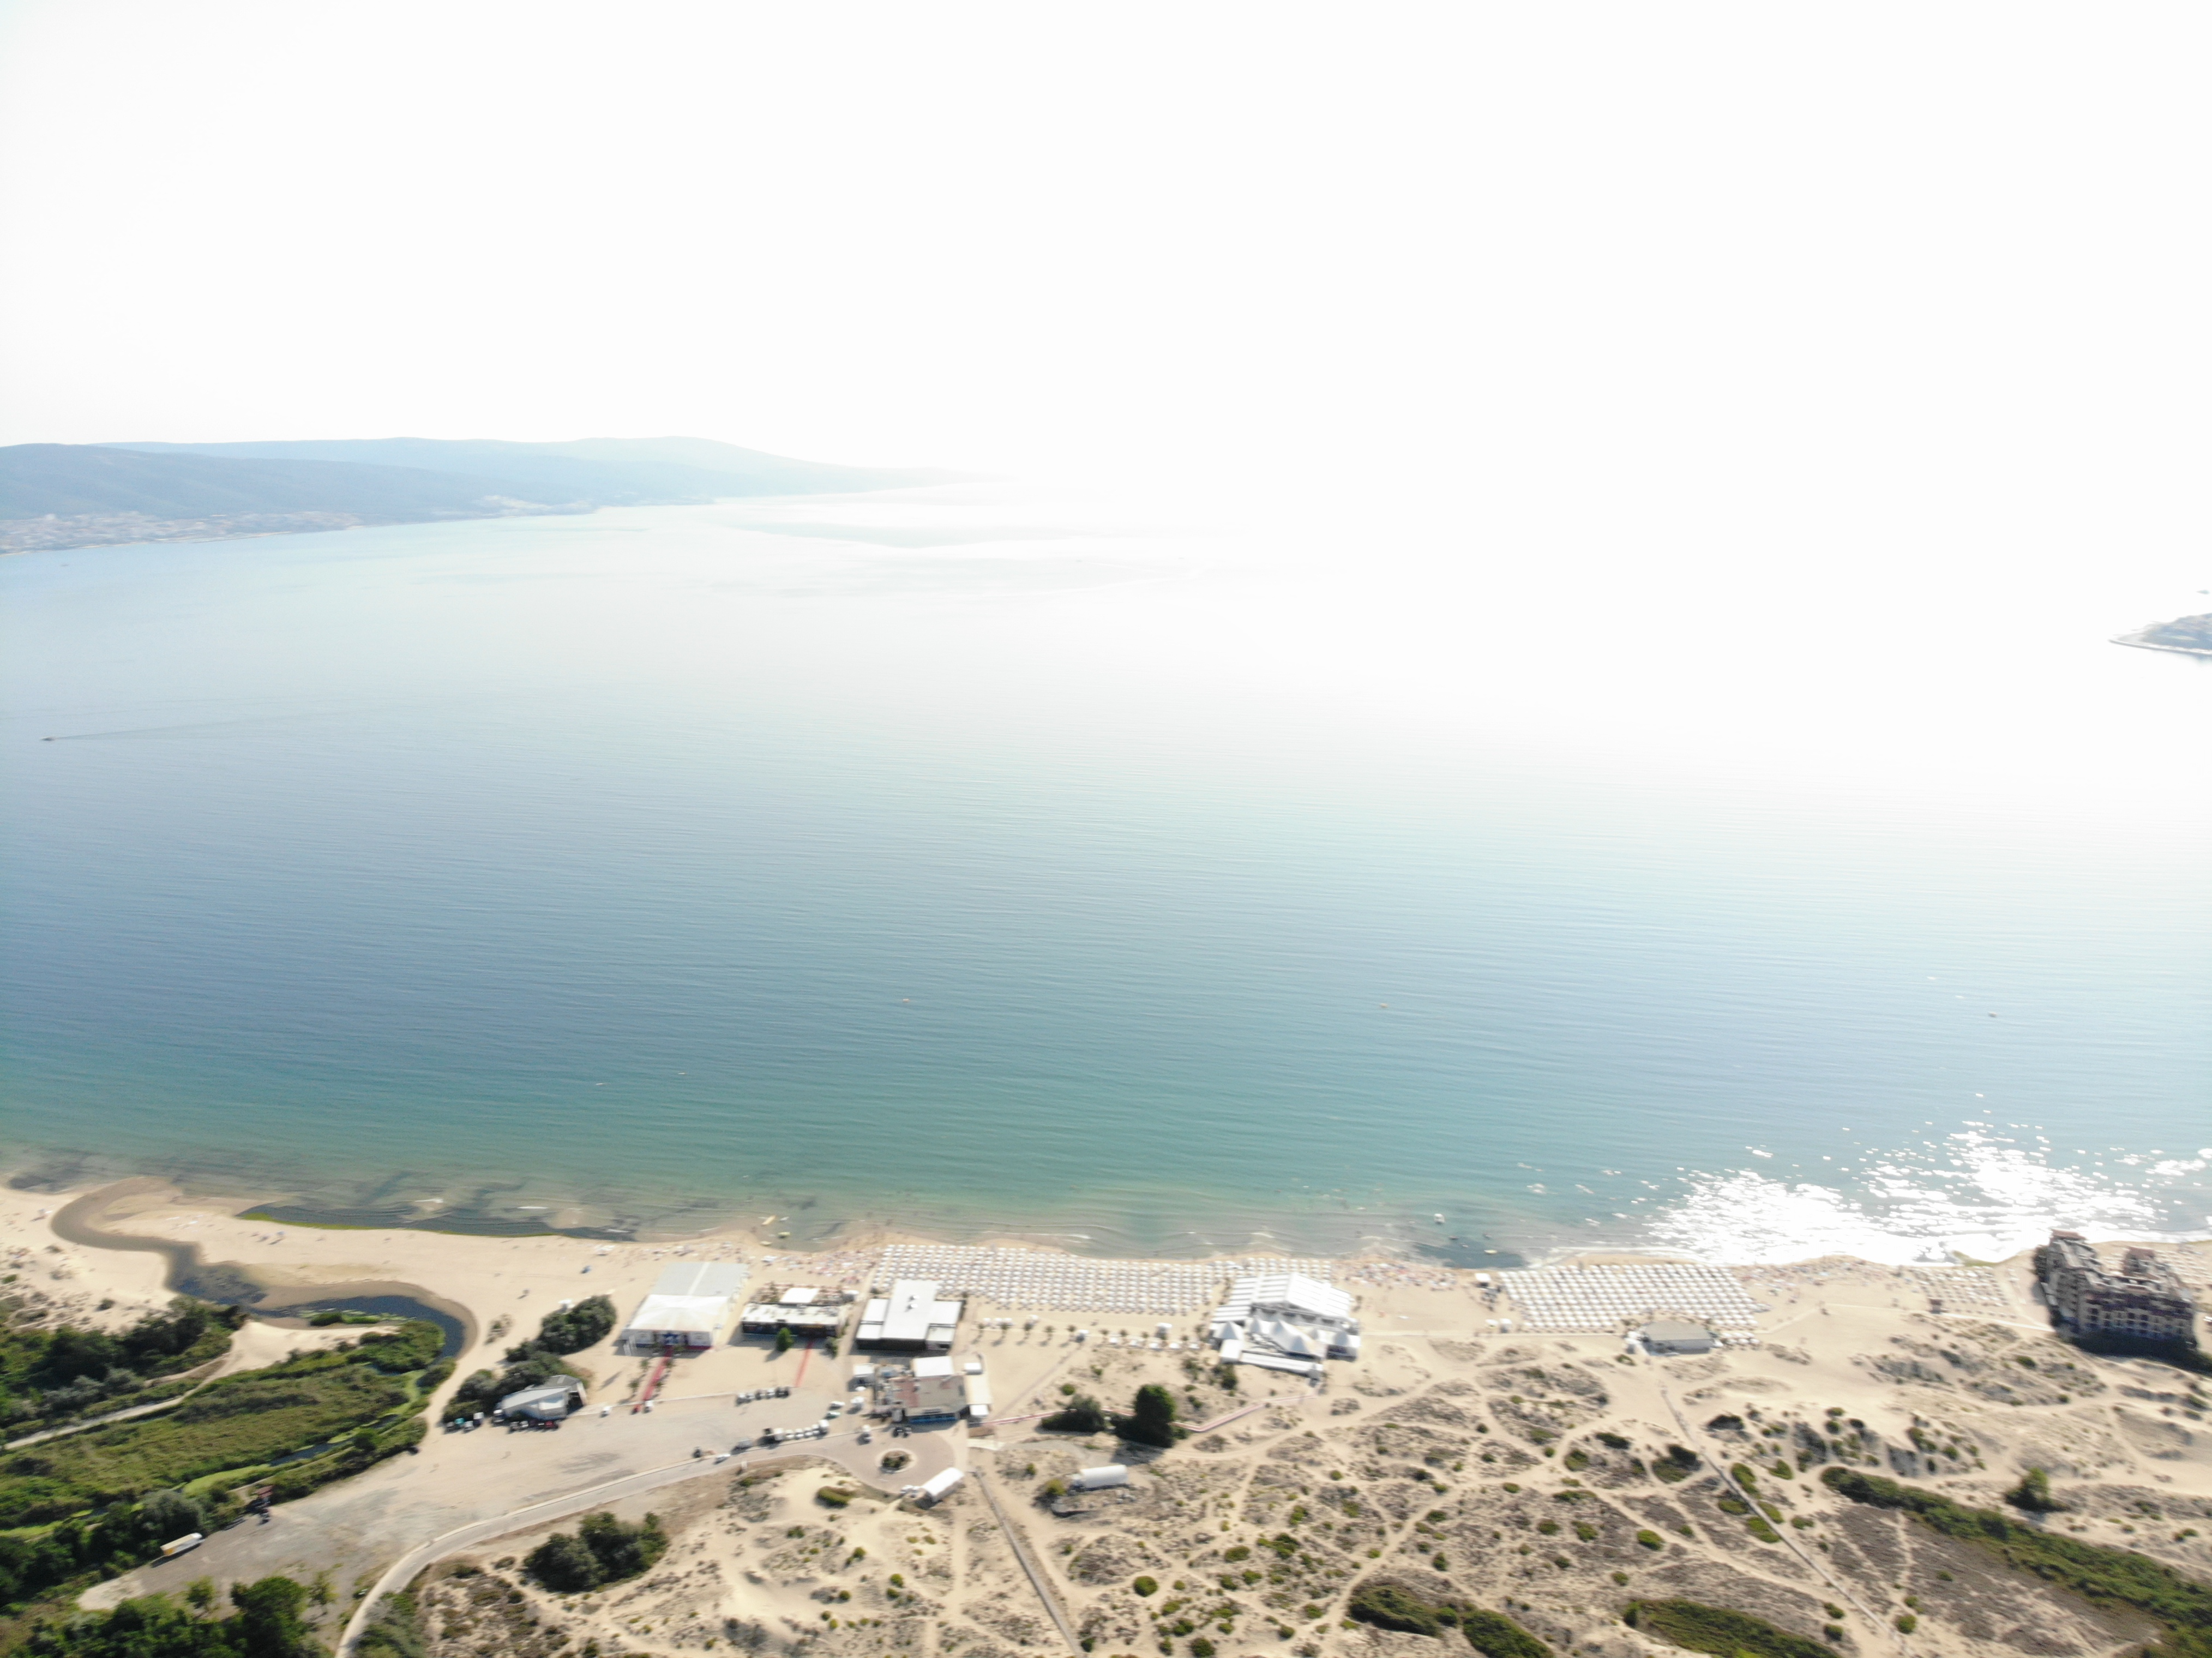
<point x="1120" y="888"/>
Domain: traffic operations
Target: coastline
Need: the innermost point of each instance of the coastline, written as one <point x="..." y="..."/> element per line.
<point x="1917" y="1358"/>
<point x="2138" y="643"/>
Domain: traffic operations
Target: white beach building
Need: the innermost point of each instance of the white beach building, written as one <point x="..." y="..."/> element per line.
<point x="1285" y="1321"/>
<point x="912" y="1319"/>
<point x="690" y="1306"/>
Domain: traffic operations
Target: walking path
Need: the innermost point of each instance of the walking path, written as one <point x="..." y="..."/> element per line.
<point x="1020" y="1546"/>
<point x="100" y="1421"/>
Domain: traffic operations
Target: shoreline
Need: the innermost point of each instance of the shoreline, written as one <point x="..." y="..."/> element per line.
<point x="1949" y="1376"/>
<point x="185" y="1270"/>
<point x="2136" y="641"/>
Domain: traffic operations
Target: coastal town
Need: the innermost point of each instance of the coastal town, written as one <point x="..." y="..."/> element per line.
<point x="1030" y="1451"/>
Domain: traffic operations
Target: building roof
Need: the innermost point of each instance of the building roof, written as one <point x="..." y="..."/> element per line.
<point x="937" y="1365"/>
<point x="701" y="1278"/>
<point x="1675" y="1329"/>
<point x="554" y="1400"/>
<point x="908" y="1309"/>
<point x="690" y="1297"/>
<point x="926" y="1395"/>
<point x="1291" y="1292"/>
<point x="685" y="1314"/>
<point x="799" y="1296"/>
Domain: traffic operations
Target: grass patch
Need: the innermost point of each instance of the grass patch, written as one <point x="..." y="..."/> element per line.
<point x="1699" y="1628"/>
<point x="2104" y="1576"/>
<point x="243" y="1422"/>
<point x="103" y="1500"/>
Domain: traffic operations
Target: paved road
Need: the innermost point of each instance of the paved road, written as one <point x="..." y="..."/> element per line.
<point x="360" y="1527"/>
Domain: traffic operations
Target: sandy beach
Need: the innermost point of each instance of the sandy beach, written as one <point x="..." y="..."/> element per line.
<point x="1514" y="1467"/>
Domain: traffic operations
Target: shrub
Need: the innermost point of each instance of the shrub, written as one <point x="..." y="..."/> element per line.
<point x="2032" y="1494"/>
<point x="2104" y="1576"/>
<point x="1652" y="1539"/>
<point x="1677" y="1465"/>
<point x="1717" y="1629"/>
<point x="1393" y="1605"/>
<point x="1618" y="1441"/>
<point x="601" y="1550"/>
<point x="1082" y="1414"/>
<point x="585" y="1325"/>
<point x="1146" y="1585"/>
<point x="1907" y="1623"/>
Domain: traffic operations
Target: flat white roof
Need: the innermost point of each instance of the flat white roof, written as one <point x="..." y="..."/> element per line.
<point x="797" y="1297"/>
<point x="910" y="1310"/>
<point x="701" y="1278"/>
<point x="689" y="1314"/>
<point x="937" y="1365"/>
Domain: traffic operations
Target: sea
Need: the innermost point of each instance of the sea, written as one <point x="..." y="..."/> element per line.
<point x="1025" y="860"/>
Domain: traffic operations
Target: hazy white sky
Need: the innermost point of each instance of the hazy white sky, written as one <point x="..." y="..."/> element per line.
<point x="1594" y="247"/>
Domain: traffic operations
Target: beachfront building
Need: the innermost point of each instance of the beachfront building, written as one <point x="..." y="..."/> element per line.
<point x="912" y="1319"/>
<point x="1285" y="1321"/>
<point x="561" y="1397"/>
<point x="2144" y="1301"/>
<point x="928" y="1390"/>
<point x="690" y="1307"/>
<point x="1664" y="1338"/>
<point x="800" y="1308"/>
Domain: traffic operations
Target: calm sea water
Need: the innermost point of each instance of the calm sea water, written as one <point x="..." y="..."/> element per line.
<point x="992" y="861"/>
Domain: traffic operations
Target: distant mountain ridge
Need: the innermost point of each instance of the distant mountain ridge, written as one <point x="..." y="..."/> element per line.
<point x="54" y="495"/>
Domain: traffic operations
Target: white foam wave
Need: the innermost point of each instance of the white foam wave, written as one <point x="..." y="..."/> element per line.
<point x="1973" y="1194"/>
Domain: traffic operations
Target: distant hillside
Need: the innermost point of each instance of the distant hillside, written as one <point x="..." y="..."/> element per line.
<point x="2191" y="635"/>
<point x="55" y="494"/>
<point x="71" y="479"/>
<point x="605" y="471"/>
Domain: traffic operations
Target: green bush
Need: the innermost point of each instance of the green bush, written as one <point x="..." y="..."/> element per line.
<point x="395" y="1630"/>
<point x="1698" y="1628"/>
<point x="1146" y="1585"/>
<point x="601" y="1550"/>
<point x="1082" y="1414"/>
<point x="1393" y="1605"/>
<point x="268" y="1624"/>
<point x="2104" y="1576"/>
<point x="585" y="1325"/>
<point x="2032" y="1494"/>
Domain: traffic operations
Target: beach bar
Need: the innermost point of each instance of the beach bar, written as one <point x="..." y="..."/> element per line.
<point x="690" y="1306"/>
<point x="912" y="1319"/>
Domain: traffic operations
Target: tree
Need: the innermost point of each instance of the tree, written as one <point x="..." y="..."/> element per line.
<point x="563" y="1565"/>
<point x="2034" y="1495"/>
<point x="166" y="1516"/>
<point x="784" y="1339"/>
<point x="1152" y="1421"/>
<point x="601" y="1550"/>
<point x="269" y="1621"/>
